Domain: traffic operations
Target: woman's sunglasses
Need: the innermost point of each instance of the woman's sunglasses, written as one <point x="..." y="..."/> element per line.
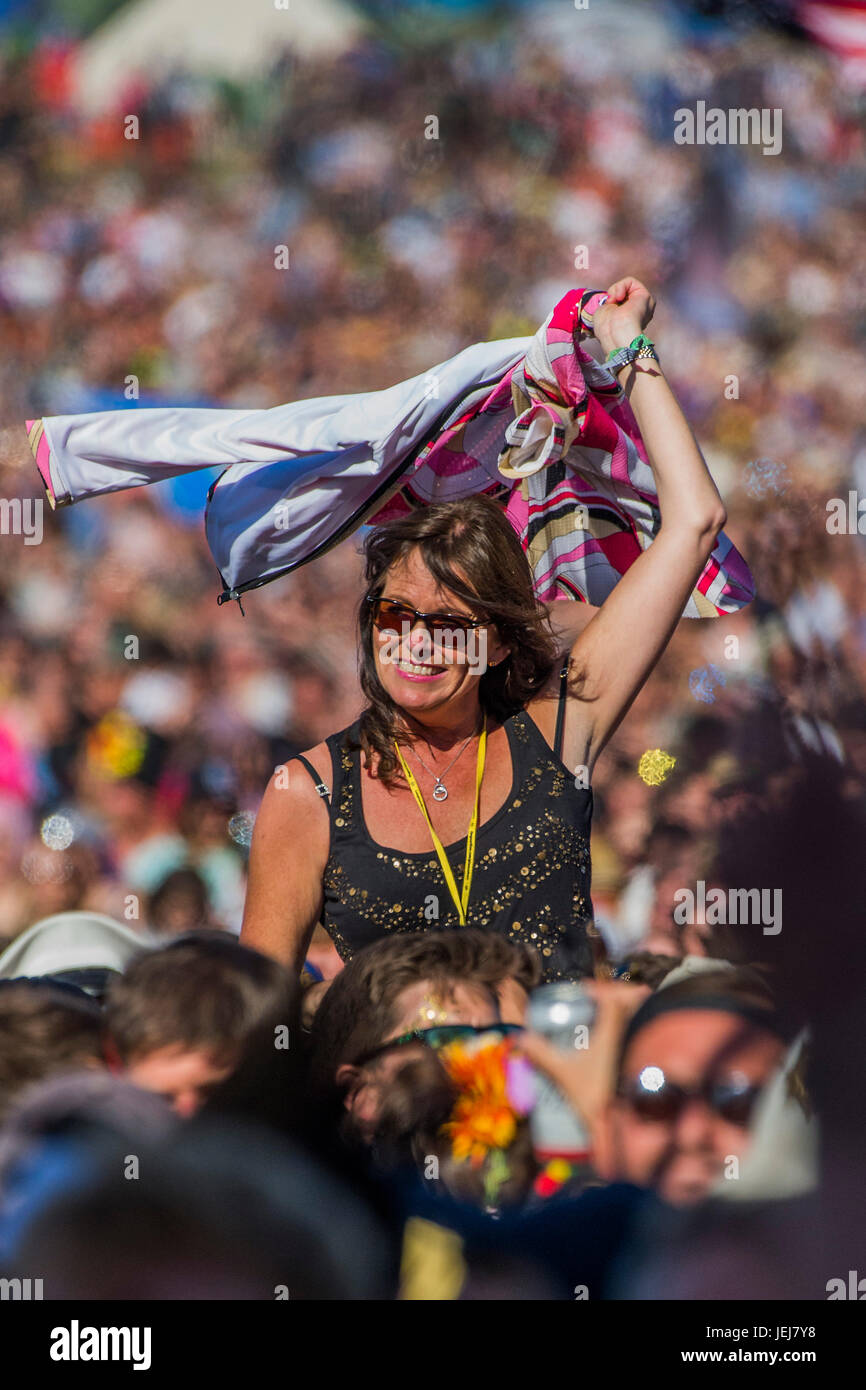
<point x="390" y="616"/>
<point x="441" y="1036"/>
<point x="652" y="1097"/>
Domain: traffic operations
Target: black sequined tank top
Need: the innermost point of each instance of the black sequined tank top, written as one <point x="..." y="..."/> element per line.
<point x="531" y="880"/>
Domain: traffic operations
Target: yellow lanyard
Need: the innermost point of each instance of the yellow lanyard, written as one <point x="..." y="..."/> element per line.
<point x="461" y="900"/>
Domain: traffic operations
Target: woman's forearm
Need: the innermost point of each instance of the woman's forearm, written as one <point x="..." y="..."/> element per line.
<point x="688" y="497"/>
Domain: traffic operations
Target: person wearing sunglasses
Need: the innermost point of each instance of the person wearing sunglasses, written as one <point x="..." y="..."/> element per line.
<point x="462" y="793"/>
<point x="400" y="999"/>
<point x="694" y="1062"/>
<point x="364" y="1082"/>
<point x="442" y="1035"/>
<point x="670" y="1082"/>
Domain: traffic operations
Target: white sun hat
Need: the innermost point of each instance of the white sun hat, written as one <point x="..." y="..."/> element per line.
<point x="73" y="941"/>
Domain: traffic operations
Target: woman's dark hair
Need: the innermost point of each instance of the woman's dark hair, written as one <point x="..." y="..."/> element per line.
<point x="470" y="548"/>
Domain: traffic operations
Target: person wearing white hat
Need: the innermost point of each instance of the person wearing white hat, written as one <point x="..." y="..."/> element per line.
<point x="82" y="948"/>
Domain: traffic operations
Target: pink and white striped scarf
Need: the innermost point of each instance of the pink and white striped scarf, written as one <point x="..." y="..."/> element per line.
<point x="569" y="454"/>
<point x="536" y="423"/>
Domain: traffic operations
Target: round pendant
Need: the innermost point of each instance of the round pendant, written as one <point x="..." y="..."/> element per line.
<point x="439" y="792"/>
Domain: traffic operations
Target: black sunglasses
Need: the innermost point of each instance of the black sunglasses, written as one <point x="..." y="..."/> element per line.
<point x="390" y="615"/>
<point x="652" y="1097"/>
<point x="440" y="1036"/>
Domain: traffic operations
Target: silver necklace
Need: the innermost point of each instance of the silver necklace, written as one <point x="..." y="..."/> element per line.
<point x="440" y="791"/>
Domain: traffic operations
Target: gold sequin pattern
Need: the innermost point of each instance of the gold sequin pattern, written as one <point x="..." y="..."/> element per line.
<point x="530" y="862"/>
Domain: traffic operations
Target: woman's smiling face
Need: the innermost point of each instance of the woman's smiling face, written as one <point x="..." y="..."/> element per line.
<point x="417" y="670"/>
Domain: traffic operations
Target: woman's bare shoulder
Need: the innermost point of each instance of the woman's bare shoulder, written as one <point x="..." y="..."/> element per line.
<point x="291" y="787"/>
<point x="319" y="756"/>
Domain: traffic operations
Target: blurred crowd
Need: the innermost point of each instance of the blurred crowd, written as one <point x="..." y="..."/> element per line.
<point x="431" y="1124"/>
<point x="139" y="722"/>
<point x="153" y="259"/>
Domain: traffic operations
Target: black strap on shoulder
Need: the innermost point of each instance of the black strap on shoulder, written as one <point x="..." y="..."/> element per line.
<point x="560" y="712"/>
<point x="321" y="787"/>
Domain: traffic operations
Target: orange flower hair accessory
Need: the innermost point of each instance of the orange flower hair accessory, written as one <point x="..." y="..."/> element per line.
<point x="486" y="1114"/>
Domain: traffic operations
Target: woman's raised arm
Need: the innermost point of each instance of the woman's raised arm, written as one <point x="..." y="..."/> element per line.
<point x="617" y="650"/>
